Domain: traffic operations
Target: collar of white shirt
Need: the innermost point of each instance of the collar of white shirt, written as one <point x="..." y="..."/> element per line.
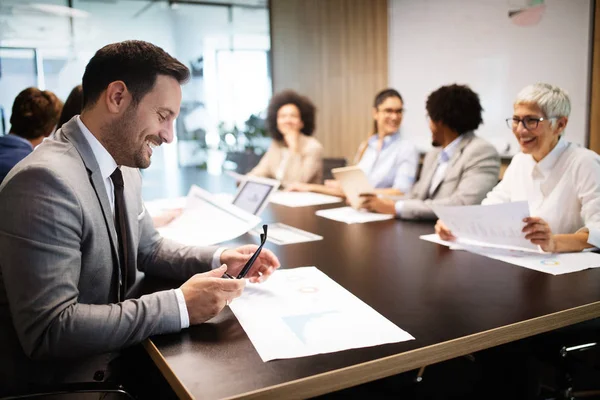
<point x="448" y="151"/>
<point x="545" y="166"/>
<point x="387" y="140"/>
<point x="105" y="161"/>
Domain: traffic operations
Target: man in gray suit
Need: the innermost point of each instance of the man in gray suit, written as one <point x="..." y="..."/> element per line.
<point x="74" y="229"/>
<point x="462" y="167"/>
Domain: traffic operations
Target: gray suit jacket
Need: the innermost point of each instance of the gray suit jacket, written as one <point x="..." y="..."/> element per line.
<point x="473" y="171"/>
<point x="59" y="315"/>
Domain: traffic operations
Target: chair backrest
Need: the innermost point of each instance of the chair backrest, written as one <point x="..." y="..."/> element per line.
<point x="244" y="161"/>
<point x="330" y="163"/>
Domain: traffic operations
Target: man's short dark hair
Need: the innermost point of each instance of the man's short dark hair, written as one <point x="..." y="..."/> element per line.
<point x="134" y="62"/>
<point x="34" y="113"/>
<point x="306" y="107"/>
<point x="456" y="106"/>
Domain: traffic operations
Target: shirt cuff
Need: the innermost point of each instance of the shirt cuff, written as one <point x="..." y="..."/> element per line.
<point x="183" y="312"/>
<point x="398" y="206"/>
<point x="593" y="236"/>
<point x="216" y="260"/>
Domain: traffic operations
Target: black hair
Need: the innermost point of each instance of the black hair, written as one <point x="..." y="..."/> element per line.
<point x="456" y="106"/>
<point x="136" y="63"/>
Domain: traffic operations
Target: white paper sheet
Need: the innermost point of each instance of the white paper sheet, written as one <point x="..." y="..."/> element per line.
<point x="549" y="263"/>
<point x="281" y="234"/>
<point x="350" y="215"/>
<point x="301" y="312"/>
<point x="156" y="207"/>
<point x="206" y="220"/>
<point x="497" y="225"/>
<point x="302" y="199"/>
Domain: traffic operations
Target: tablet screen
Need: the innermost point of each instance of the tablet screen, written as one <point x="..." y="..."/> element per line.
<point x="252" y="196"/>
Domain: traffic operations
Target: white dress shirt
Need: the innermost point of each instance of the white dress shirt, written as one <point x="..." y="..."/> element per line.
<point x="394" y="166"/>
<point x="443" y="158"/>
<point x="107" y="166"/>
<point x="563" y="189"/>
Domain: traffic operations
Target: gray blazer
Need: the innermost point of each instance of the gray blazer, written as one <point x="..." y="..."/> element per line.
<point x="473" y="171"/>
<point x="59" y="316"/>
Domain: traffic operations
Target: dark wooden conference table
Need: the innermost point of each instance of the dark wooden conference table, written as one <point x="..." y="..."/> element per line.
<point x="453" y="302"/>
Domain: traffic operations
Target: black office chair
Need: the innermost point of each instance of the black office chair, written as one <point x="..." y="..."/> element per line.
<point x="577" y="372"/>
<point x="329" y="164"/>
<point x="572" y="357"/>
<point x="244" y="161"/>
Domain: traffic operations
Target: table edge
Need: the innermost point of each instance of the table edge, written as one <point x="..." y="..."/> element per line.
<point x="391" y="365"/>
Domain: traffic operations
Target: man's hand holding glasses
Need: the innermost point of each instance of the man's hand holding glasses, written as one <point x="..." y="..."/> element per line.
<point x="206" y="294"/>
<point x="250" y="261"/>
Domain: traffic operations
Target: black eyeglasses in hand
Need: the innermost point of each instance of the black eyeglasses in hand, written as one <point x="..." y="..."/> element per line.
<point x="250" y="262"/>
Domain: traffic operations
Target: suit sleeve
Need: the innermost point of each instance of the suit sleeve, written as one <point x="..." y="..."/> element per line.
<point x="479" y="177"/>
<point x="41" y="261"/>
<point x="165" y="258"/>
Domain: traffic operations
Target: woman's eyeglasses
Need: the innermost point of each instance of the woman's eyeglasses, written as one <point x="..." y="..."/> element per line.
<point x="530" y="123"/>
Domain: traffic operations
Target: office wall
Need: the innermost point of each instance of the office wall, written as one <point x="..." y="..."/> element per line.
<point x="335" y="52"/>
<point x="437" y="42"/>
<point x="595" y="90"/>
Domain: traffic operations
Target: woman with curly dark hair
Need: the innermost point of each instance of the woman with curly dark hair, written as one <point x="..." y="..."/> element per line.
<point x="294" y="156"/>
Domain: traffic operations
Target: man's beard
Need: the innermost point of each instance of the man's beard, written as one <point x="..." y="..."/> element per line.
<point x="435" y="143"/>
<point x="120" y="139"/>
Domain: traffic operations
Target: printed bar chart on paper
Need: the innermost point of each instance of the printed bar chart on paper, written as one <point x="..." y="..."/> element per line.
<point x="300" y="312"/>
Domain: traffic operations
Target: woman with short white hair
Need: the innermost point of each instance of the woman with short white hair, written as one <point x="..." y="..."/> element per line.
<point x="560" y="180"/>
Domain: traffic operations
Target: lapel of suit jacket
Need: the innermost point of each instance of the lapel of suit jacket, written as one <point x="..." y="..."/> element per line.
<point x="73" y="134"/>
<point x="466" y="139"/>
<point x="427" y="173"/>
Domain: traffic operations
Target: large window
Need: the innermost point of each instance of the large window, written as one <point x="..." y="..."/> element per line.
<point x="47" y="44"/>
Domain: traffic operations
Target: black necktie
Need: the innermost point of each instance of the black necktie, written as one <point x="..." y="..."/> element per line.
<point x="122" y="231"/>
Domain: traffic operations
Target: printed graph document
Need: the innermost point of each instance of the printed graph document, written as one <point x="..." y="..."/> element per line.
<point x="206" y="220"/>
<point x="284" y="234"/>
<point x="350" y="215"/>
<point x="497" y="225"/>
<point x="301" y="312"/>
<point x="302" y="199"/>
<point x="549" y="263"/>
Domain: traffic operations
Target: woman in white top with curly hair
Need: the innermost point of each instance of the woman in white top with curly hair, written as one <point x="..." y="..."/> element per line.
<point x="560" y="180"/>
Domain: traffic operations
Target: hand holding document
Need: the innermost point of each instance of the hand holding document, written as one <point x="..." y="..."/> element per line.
<point x="300" y="312"/>
<point x="498" y="225"/>
<point x="354" y="182"/>
<point x="206" y="220"/>
<point x="350" y="215"/>
<point x="549" y="263"/>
